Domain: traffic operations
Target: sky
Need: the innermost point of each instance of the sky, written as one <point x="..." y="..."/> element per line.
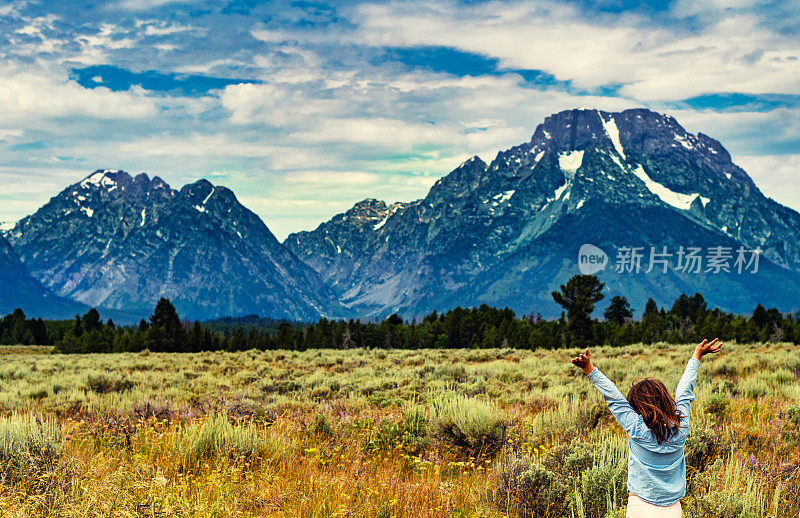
<point x="305" y="107"/>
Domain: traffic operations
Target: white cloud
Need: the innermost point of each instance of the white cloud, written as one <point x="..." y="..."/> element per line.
<point x="144" y="5"/>
<point x="35" y="26"/>
<point x="654" y="63"/>
<point x="7" y="134"/>
<point x="776" y="176"/>
<point x="328" y="178"/>
<point x="26" y="93"/>
<point x="329" y="126"/>
<point x="166" y="29"/>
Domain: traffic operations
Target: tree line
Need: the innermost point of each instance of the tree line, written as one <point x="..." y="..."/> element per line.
<point x="688" y="320"/>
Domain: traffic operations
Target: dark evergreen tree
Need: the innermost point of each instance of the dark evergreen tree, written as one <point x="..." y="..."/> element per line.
<point x="759" y="317"/>
<point x="395" y="320"/>
<point x="578" y="297"/>
<point x="166" y="332"/>
<point x="77" y="326"/>
<point x="650" y="309"/>
<point x="618" y="311"/>
<point x="91" y="320"/>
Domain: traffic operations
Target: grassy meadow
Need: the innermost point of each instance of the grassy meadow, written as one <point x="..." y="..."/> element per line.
<point x="375" y="433"/>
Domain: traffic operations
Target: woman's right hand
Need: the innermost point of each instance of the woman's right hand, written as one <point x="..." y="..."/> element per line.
<point x="706" y="347"/>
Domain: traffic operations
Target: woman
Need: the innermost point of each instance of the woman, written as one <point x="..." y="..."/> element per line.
<point x="657" y="427"/>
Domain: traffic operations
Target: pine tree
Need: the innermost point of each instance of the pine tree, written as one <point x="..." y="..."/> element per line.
<point x="91" y="320"/>
<point x="618" y="311"/>
<point x="165" y="333"/>
<point x="578" y="297"/>
<point x="650" y="309"/>
<point x="77" y="326"/>
<point x="759" y="317"/>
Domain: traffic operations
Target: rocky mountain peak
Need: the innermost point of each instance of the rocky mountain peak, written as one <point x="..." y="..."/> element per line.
<point x="369" y="209"/>
<point x="591" y="173"/>
<point x="199" y="193"/>
<point x="463" y="179"/>
<point x="121" y="242"/>
<point x="108" y="179"/>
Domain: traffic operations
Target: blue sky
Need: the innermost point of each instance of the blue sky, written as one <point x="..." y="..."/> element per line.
<point x="305" y="107"/>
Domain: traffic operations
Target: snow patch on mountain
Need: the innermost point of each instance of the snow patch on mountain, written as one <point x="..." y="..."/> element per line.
<point x="682" y="141"/>
<point x="99" y="179"/>
<point x="381" y="223"/>
<point x="5" y="226"/>
<point x="675" y="199"/>
<point x="209" y="196"/>
<point x="613" y="133"/>
<point x="389" y="214"/>
<point x="504" y="196"/>
<point x="570" y="161"/>
<point x="557" y="194"/>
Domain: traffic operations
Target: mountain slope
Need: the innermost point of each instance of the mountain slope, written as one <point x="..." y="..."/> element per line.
<point x="481" y="226"/>
<point x="20" y="290"/>
<point x="122" y="242"/>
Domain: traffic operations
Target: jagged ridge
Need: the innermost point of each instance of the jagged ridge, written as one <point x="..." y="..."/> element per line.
<point x="122" y="242"/>
<point x="434" y="253"/>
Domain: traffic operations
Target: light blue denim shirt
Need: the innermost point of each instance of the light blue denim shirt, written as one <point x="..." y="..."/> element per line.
<point x="656" y="472"/>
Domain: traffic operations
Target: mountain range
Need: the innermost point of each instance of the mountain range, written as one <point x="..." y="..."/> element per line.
<point x="121" y="242"/>
<point x="505" y="233"/>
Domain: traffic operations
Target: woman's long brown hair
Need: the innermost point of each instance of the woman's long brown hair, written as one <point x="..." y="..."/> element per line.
<point x="651" y="400"/>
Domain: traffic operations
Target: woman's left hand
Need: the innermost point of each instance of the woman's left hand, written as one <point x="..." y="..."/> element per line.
<point x="584" y="362"/>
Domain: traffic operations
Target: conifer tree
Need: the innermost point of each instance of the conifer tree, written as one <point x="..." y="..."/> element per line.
<point x="578" y="297"/>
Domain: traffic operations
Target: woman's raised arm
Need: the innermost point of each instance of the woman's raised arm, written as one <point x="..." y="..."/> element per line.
<point x="619" y="406"/>
<point x="684" y="393"/>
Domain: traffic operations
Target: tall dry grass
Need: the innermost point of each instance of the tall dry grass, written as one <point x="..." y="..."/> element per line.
<point x="380" y="434"/>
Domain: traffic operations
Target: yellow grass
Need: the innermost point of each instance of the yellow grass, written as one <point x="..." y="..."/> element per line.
<point x="383" y="433"/>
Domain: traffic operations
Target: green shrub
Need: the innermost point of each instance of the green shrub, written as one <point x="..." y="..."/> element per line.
<point x="571" y="459"/>
<point x="281" y="387"/>
<point x="753" y="388"/>
<point x="702" y="446"/>
<point x="452" y="373"/>
<point x="793" y="416"/>
<point x="737" y="495"/>
<point x="604" y="488"/>
<point x="717" y="405"/>
<point x="410" y="431"/>
<point x="29" y="446"/>
<point x="528" y="489"/>
<point x="595" y="472"/>
<point x="219" y="438"/>
<point x="102" y="384"/>
<point x="468" y="423"/>
<point x="416" y="421"/>
<point x="38" y="395"/>
<point x="389" y="434"/>
<point x="322" y="426"/>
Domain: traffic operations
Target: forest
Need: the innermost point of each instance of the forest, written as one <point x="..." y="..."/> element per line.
<point x="689" y="319"/>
